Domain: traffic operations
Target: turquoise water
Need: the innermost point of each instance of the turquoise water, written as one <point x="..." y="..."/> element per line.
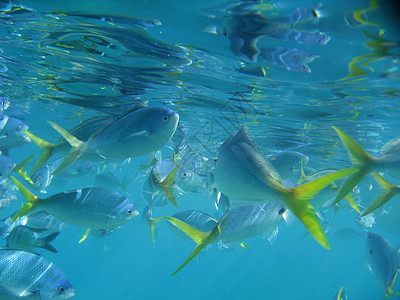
<point x="68" y="68"/>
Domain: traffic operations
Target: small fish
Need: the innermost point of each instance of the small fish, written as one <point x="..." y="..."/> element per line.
<point x="242" y="172"/>
<point x="92" y="208"/>
<point x="26" y="238"/>
<point x="4" y="104"/>
<point x="236" y="225"/>
<point x="25" y="275"/>
<point x="389" y="160"/>
<point x="137" y="132"/>
<point x="341" y="295"/>
<point x="13" y="135"/>
<point x="383" y="260"/>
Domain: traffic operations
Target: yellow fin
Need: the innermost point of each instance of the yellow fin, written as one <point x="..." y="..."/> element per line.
<point x="167" y="185"/>
<point x="47" y="148"/>
<point x="153" y="223"/>
<point x="201" y="238"/>
<point x="20" y="169"/>
<point x="388" y="192"/>
<point x="352" y="202"/>
<point x="32" y="200"/>
<point x="243" y="245"/>
<point x="298" y="201"/>
<point x="85" y="235"/>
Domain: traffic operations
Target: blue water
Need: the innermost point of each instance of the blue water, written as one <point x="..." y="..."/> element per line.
<point x="67" y="69"/>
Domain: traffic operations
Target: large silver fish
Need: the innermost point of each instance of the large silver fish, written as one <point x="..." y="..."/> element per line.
<point x="383" y="260"/>
<point x="92" y="208"/>
<point x="242" y="172"/>
<point x="26" y="275"/>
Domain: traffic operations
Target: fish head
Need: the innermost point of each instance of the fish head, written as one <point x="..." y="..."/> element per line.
<point x="57" y="287"/>
<point x="125" y="212"/>
<point x="162" y="122"/>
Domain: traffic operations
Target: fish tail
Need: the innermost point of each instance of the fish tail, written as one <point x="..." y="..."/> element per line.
<point x="352" y="202"/>
<point x="168" y="185"/>
<point x="20" y="169"/>
<point x="29" y="197"/>
<point x="388" y="192"/>
<point x="299" y="203"/>
<point x="201" y="238"/>
<point x="74" y="153"/>
<point x="360" y="159"/>
<point x="47" y="240"/>
<point x="47" y="148"/>
<point x="153" y="223"/>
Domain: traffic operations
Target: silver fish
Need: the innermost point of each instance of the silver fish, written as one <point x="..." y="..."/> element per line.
<point x="3" y="120"/>
<point x="383" y="260"/>
<point x="13" y="135"/>
<point x="26" y="275"/>
<point x="92" y="208"/>
<point x="137" y="132"/>
<point x="26" y="238"/>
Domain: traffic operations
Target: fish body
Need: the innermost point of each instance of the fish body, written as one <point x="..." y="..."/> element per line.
<point x="27" y="239"/>
<point x="288" y="164"/>
<point x="383" y="260"/>
<point x="137" y="132"/>
<point x="93" y="208"/>
<point x="26" y="275"/>
<point x="197" y="219"/>
<point x="242" y="172"/>
<point x="6" y="165"/>
<point x="3" y="120"/>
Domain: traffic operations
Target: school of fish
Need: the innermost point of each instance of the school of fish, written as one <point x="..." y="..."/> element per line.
<point x="252" y="192"/>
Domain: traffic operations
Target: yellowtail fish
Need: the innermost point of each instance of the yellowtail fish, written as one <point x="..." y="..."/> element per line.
<point x="389" y="160"/>
<point x="383" y="260"/>
<point x="341" y="295"/>
<point x="243" y="172"/>
<point x="236" y="225"/>
<point x="91" y="208"/>
<point x="137" y="132"/>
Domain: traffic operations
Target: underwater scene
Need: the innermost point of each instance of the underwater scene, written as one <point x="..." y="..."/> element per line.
<point x="195" y="149"/>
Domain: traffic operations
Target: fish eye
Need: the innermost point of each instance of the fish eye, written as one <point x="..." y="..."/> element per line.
<point x="19" y="127"/>
<point x="281" y="211"/>
<point x="61" y="290"/>
<point x="129" y="211"/>
<point x="165" y="118"/>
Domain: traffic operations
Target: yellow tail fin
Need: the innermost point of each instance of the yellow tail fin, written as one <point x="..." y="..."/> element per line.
<point x="360" y="159"/>
<point x="20" y="169"/>
<point x="47" y="148"/>
<point x="167" y="185"/>
<point x="298" y="201"/>
<point x="388" y="192"/>
<point x="74" y="153"/>
<point x="31" y="199"/>
<point x="202" y="239"/>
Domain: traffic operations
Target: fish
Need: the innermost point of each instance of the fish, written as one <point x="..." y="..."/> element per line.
<point x="388" y="160"/>
<point x="26" y="275"/>
<point x="383" y="260"/>
<point x="137" y="132"/>
<point x="4" y="104"/>
<point x="91" y="208"/>
<point x="82" y="132"/>
<point x="235" y="225"/>
<point x="13" y="135"/>
<point x="27" y="239"/>
<point x="110" y="181"/>
<point x="388" y="192"/>
<point x="7" y="166"/>
<point x="242" y="172"/>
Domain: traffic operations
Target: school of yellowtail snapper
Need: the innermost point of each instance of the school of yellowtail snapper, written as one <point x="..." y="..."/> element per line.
<point x="252" y="188"/>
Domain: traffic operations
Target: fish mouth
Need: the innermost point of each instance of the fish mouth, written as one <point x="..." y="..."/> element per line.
<point x="70" y="294"/>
